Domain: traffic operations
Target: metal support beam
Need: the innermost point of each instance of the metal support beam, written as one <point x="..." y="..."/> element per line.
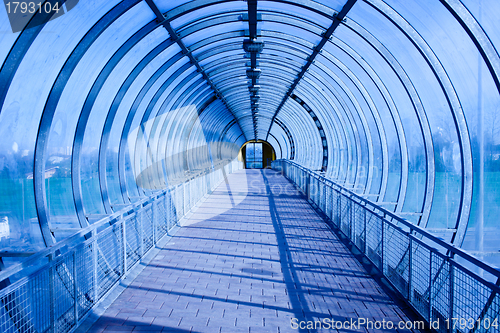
<point x="326" y="36"/>
<point x="321" y="131"/>
<point x="252" y="18"/>
<point x="253" y="73"/>
<point x="290" y="138"/>
<point x="185" y="51"/>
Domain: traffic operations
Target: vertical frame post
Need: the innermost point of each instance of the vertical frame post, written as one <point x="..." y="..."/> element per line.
<point x="52" y="295"/>
<point x="95" y="259"/>
<point x="383" y="245"/>
<point x="410" y="267"/>
<point x="430" y="286"/>
<point x="140" y="214"/>
<point x="75" y="287"/>
<point x="154" y="214"/>
<point x="124" y="248"/>
<point x="352" y="220"/>
<point x="452" y="291"/>
<point x="364" y="231"/>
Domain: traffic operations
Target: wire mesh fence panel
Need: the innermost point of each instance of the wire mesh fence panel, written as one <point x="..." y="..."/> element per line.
<point x="25" y="305"/>
<point x="419" y="265"/>
<point x="475" y="305"/>
<point x="328" y="201"/>
<point x="63" y="293"/>
<point x="206" y="185"/>
<point x="345" y="215"/>
<point x="440" y="296"/>
<point x="374" y="239"/>
<point x="147" y="227"/>
<point x="109" y="258"/>
<point x="489" y="317"/>
<point x="420" y="277"/>
<point x="193" y="193"/>
<point x="212" y="181"/>
<point x="187" y="198"/>
<point x="317" y="191"/>
<point x="322" y="198"/>
<point x="314" y="190"/>
<point x="162" y="225"/>
<point x="359" y="230"/>
<point x="180" y="193"/>
<point x="85" y="278"/>
<point x="335" y="216"/>
<point x="199" y="189"/>
<point x="305" y="180"/>
<point x="299" y="177"/>
<point x="172" y="211"/>
<point x="133" y="241"/>
<point x="397" y="258"/>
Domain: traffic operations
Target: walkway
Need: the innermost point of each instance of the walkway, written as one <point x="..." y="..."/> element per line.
<point x="250" y="259"/>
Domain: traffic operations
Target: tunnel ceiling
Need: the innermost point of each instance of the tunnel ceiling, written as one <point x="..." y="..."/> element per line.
<point x="396" y="100"/>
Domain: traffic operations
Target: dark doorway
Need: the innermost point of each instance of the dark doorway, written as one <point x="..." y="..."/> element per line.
<point x="257" y="155"/>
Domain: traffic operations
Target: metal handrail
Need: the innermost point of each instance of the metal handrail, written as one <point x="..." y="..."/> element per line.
<point x="421" y="267"/>
<point x="70" y="241"/>
<point x="59" y="285"/>
<point x="450" y="247"/>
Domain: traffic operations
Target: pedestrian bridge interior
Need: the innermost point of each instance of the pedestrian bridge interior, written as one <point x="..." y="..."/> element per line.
<point x="249" y="166"/>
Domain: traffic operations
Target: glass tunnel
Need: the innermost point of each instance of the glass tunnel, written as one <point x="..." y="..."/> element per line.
<point x="104" y="104"/>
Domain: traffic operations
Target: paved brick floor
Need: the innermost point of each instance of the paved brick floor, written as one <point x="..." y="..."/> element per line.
<point x="250" y="259"/>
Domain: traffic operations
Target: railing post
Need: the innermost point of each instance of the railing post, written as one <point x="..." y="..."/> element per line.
<point x="430" y="286"/>
<point x="183" y="187"/>
<point x="75" y="287"/>
<point x="95" y="258"/>
<point x="308" y="185"/>
<point x="154" y="214"/>
<point x="452" y="286"/>
<point x="324" y="196"/>
<point x="52" y="295"/>
<point x="188" y="189"/>
<point x="339" y="205"/>
<point x="383" y="245"/>
<point x="169" y="211"/>
<point x="124" y="244"/>
<point x="364" y="231"/>
<point x="141" y="213"/>
<point x="410" y="269"/>
<point x="352" y="220"/>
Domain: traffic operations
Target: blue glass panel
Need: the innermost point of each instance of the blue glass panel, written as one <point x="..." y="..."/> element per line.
<point x="92" y="139"/>
<point x="214" y="30"/>
<point x="21" y="115"/>
<point x="416" y="152"/>
<point x="166" y="5"/>
<point x="486" y="12"/>
<point x="298" y="12"/>
<point x="7" y="37"/>
<point x="290" y="30"/>
<point x="479" y="100"/>
<point x="123" y="110"/>
<point x="81" y="81"/>
<point x="237" y="6"/>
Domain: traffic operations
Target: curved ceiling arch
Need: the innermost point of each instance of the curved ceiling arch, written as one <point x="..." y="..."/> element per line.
<point x="181" y="78"/>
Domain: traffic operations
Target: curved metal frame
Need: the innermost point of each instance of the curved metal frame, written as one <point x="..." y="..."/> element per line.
<point x="343" y="112"/>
